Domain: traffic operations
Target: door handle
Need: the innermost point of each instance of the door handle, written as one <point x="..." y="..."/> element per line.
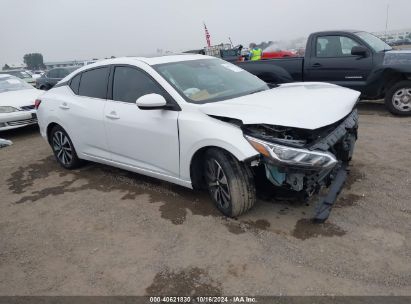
<point x="64" y="106"/>
<point x="112" y="115"/>
<point x="317" y="65"/>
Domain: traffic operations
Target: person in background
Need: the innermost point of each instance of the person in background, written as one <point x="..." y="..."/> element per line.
<point x="255" y="52"/>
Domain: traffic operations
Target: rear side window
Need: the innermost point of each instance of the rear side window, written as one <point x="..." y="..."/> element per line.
<point x="53" y="73"/>
<point x="129" y="84"/>
<point x="63" y="73"/>
<point x="93" y="83"/>
<point x="75" y="83"/>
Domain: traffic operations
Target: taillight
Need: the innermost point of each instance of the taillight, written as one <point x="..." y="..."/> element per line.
<point x="37" y="103"/>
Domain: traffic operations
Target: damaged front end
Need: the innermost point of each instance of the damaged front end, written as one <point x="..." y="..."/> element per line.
<point x="304" y="160"/>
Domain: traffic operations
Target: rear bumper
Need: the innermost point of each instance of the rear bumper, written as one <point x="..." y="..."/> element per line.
<point x="17" y="119"/>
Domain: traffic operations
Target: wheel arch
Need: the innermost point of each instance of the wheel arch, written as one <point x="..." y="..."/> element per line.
<point x="50" y="127"/>
<point x="197" y="163"/>
<point x="398" y="107"/>
<point x="393" y="76"/>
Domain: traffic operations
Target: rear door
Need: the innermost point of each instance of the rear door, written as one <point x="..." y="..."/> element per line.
<point x="53" y="76"/>
<point x="331" y="61"/>
<point x="82" y="112"/>
<point x="143" y="139"/>
<point x="63" y="73"/>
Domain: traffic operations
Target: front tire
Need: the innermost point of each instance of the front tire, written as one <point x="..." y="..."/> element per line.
<point x="398" y="98"/>
<point x="229" y="182"/>
<point x="63" y="149"/>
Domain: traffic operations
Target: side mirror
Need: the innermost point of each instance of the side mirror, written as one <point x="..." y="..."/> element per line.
<point x="359" y="51"/>
<point x="151" y="102"/>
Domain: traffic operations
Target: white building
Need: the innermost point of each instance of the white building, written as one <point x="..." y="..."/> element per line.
<point x="68" y="63"/>
<point x="395" y="35"/>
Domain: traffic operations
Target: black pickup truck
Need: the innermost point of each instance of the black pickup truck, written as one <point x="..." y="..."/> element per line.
<point x="353" y="59"/>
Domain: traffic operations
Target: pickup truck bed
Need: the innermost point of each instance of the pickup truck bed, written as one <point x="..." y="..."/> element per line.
<point x="264" y="69"/>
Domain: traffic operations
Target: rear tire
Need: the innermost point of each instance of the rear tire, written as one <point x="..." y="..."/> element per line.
<point x="229" y="182"/>
<point x="398" y="98"/>
<point x="63" y="149"/>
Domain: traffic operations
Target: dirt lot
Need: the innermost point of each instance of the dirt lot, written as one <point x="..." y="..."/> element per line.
<point x="104" y="231"/>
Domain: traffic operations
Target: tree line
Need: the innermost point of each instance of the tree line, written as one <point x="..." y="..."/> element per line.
<point x="33" y="61"/>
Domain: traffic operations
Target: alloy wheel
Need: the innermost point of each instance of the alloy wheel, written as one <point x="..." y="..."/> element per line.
<point x="218" y="183"/>
<point x="402" y="99"/>
<point x="62" y="148"/>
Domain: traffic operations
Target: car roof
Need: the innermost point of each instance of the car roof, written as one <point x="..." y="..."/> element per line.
<point x="149" y="60"/>
<point x="70" y="68"/>
<point x="173" y="58"/>
<point x="133" y="60"/>
<point x="337" y="31"/>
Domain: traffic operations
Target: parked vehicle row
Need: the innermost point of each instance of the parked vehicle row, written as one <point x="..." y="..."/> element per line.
<point x="202" y="122"/>
<point x="22" y="74"/>
<point x="50" y="78"/>
<point x="40" y="79"/>
<point x="352" y="59"/>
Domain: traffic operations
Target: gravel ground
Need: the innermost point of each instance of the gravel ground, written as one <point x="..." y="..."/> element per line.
<point x="104" y="231"/>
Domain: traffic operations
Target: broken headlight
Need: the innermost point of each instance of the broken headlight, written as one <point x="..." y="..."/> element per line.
<point x="293" y="156"/>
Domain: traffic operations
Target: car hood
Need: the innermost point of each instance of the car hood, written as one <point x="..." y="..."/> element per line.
<point x="397" y="57"/>
<point x="298" y="105"/>
<point x="19" y="98"/>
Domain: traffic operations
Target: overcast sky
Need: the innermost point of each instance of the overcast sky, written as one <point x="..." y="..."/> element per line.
<point x="85" y="29"/>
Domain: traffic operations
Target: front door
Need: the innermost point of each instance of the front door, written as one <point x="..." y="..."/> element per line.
<point x="53" y="76"/>
<point x="143" y="139"/>
<point x="332" y="62"/>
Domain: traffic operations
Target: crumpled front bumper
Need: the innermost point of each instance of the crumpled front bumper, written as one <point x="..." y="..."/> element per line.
<point x="325" y="203"/>
<point x="340" y="142"/>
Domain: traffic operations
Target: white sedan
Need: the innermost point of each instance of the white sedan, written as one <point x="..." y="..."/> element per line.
<point x="201" y="122"/>
<point x="17" y="100"/>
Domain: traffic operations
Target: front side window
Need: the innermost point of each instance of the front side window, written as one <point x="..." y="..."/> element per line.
<point x="334" y="46"/>
<point x="209" y="80"/>
<point x="63" y="73"/>
<point x="53" y="73"/>
<point x="129" y="84"/>
<point x="93" y="83"/>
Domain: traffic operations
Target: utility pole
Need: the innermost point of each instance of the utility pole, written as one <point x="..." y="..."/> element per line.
<point x="386" y="21"/>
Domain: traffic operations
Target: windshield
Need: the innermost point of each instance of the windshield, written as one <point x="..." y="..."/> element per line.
<point x="376" y="43"/>
<point x="13" y="84"/>
<point x="209" y="80"/>
<point x="19" y="74"/>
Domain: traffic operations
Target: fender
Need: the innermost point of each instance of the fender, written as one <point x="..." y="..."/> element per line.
<point x="383" y="77"/>
<point x="213" y="133"/>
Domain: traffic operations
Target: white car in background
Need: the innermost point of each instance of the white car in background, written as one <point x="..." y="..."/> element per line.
<point x="17" y="103"/>
<point x="22" y="74"/>
<point x="32" y="74"/>
<point x="202" y="122"/>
